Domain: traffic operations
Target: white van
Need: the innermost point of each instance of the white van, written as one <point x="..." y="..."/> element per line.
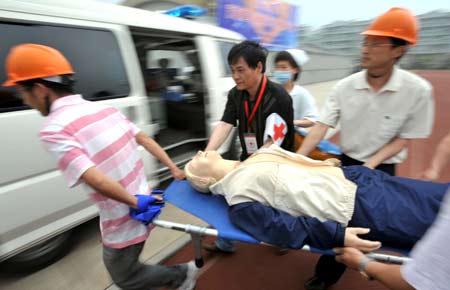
<point x="168" y="75"/>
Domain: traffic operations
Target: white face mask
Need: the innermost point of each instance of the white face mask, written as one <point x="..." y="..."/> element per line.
<point x="282" y="76"/>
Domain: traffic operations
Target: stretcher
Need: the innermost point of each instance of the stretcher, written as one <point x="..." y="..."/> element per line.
<point x="213" y="209"/>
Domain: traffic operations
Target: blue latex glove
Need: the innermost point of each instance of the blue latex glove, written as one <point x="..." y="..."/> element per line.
<point x="157" y="192"/>
<point x="147" y="209"/>
<point x="147" y="216"/>
<point x="143" y="202"/>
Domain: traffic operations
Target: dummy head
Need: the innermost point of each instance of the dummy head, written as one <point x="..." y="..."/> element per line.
<point x="200" y="170"/>
<point x="206" y="168"/>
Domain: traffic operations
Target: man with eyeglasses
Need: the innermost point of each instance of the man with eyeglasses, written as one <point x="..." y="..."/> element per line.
<point x="380" y="108"/>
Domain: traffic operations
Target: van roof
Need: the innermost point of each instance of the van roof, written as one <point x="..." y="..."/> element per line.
<point x="117" y="14"/>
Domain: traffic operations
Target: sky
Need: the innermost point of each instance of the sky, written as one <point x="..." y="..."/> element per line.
<point x="320" y="12"/>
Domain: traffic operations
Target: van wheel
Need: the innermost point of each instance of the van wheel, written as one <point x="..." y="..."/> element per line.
<point x="40" y="255"/>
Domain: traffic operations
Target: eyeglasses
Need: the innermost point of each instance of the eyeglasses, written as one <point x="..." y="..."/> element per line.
<point x="374" y="44"/>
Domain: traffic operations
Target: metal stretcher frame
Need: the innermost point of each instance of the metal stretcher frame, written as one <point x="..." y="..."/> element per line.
<point x="182" y="195"/>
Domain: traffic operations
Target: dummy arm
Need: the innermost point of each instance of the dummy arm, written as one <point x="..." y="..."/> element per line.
<point x="275" y="227"/>
<point x="278" y="228"/>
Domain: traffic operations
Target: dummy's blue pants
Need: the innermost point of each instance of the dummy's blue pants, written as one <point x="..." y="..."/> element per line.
<point x="397" y="210"/>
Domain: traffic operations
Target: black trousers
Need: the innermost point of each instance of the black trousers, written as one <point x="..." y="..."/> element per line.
<point x="348" y="161"/>
<point x="327" y="269"/>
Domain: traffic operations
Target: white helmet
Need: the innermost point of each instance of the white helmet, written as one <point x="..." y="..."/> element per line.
<point x="299" y="55"/>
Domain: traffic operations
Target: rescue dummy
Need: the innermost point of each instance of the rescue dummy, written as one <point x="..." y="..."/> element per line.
<point x="289" y="200"/>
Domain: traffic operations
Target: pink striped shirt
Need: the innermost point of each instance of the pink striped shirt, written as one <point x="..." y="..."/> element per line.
<point x="82" y="134"/>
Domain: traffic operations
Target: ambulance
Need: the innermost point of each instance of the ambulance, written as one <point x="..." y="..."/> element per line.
<point x="168" y="75"/>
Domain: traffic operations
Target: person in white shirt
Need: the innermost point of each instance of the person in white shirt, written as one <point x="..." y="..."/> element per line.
<point x="380" y="110"/>
<point x="429" y="267"/>
<point x="439" y="161"/>
<point x="288" y="67"/>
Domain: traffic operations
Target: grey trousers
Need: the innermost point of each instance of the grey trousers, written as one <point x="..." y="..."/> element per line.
<point x="129" y="273"/>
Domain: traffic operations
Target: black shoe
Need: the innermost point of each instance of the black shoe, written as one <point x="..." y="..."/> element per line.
<point x="315" y="283"/>
<point x="281" y="252"/>
<point x="214" y="248"/>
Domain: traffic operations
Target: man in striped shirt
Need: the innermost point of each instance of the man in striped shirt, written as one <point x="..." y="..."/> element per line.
<point x="97" y="146"/>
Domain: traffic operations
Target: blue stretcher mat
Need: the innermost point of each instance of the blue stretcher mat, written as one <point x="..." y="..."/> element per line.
<point x="213" y="209"/>
<point x="324" y="145"/>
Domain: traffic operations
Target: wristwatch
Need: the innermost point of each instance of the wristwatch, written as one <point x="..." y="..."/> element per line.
<point x="362" y="268"/>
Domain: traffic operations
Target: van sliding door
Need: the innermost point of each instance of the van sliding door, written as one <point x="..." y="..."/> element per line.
<point x="175" y="89"/>
<point x="213" y="53"/>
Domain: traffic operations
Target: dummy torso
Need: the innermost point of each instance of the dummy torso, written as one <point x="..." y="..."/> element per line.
<point x="297" y="185"/>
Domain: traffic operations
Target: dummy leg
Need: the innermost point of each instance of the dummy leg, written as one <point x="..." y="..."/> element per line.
<point x="328" y="271"/>
<point x="397" y="210"/>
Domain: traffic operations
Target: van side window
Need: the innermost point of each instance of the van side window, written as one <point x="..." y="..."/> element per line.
<point x="225" y="48"/>
<point x="94" y="55"/>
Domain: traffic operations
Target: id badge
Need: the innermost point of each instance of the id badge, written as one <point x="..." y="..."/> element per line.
<point x="250" y="143"/>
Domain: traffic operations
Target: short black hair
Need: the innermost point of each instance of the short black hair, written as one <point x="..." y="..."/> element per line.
<point x="60" y="89"/>
<point x="251" y="51"/>
<point x="396" y="42"/>
<point x="163" y="62"/>
<point x="286" y="56"/>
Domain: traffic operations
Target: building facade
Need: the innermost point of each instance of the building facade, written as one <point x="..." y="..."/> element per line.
<point x="344" y="38"/>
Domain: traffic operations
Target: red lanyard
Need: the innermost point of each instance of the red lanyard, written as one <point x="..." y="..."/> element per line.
<point x="258" y="101"/>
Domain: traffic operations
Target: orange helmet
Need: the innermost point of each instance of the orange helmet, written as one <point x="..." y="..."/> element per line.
<point x="397" y="22"/>
<point x="31" y="61"/>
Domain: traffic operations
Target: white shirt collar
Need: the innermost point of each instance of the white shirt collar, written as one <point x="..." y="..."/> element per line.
<point x="394" y="83"/>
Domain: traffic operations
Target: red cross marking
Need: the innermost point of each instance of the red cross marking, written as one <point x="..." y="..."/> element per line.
<point x="278" y="131"/>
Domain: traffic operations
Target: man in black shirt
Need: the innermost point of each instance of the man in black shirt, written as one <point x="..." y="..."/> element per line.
<point x="261" y="109"/>
<point x="253" y="104"/>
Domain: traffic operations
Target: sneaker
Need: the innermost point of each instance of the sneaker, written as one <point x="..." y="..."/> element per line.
<point x="191" y="277"/>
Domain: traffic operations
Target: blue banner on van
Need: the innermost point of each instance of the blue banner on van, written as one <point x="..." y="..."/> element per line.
<point x="273" y="23"/>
